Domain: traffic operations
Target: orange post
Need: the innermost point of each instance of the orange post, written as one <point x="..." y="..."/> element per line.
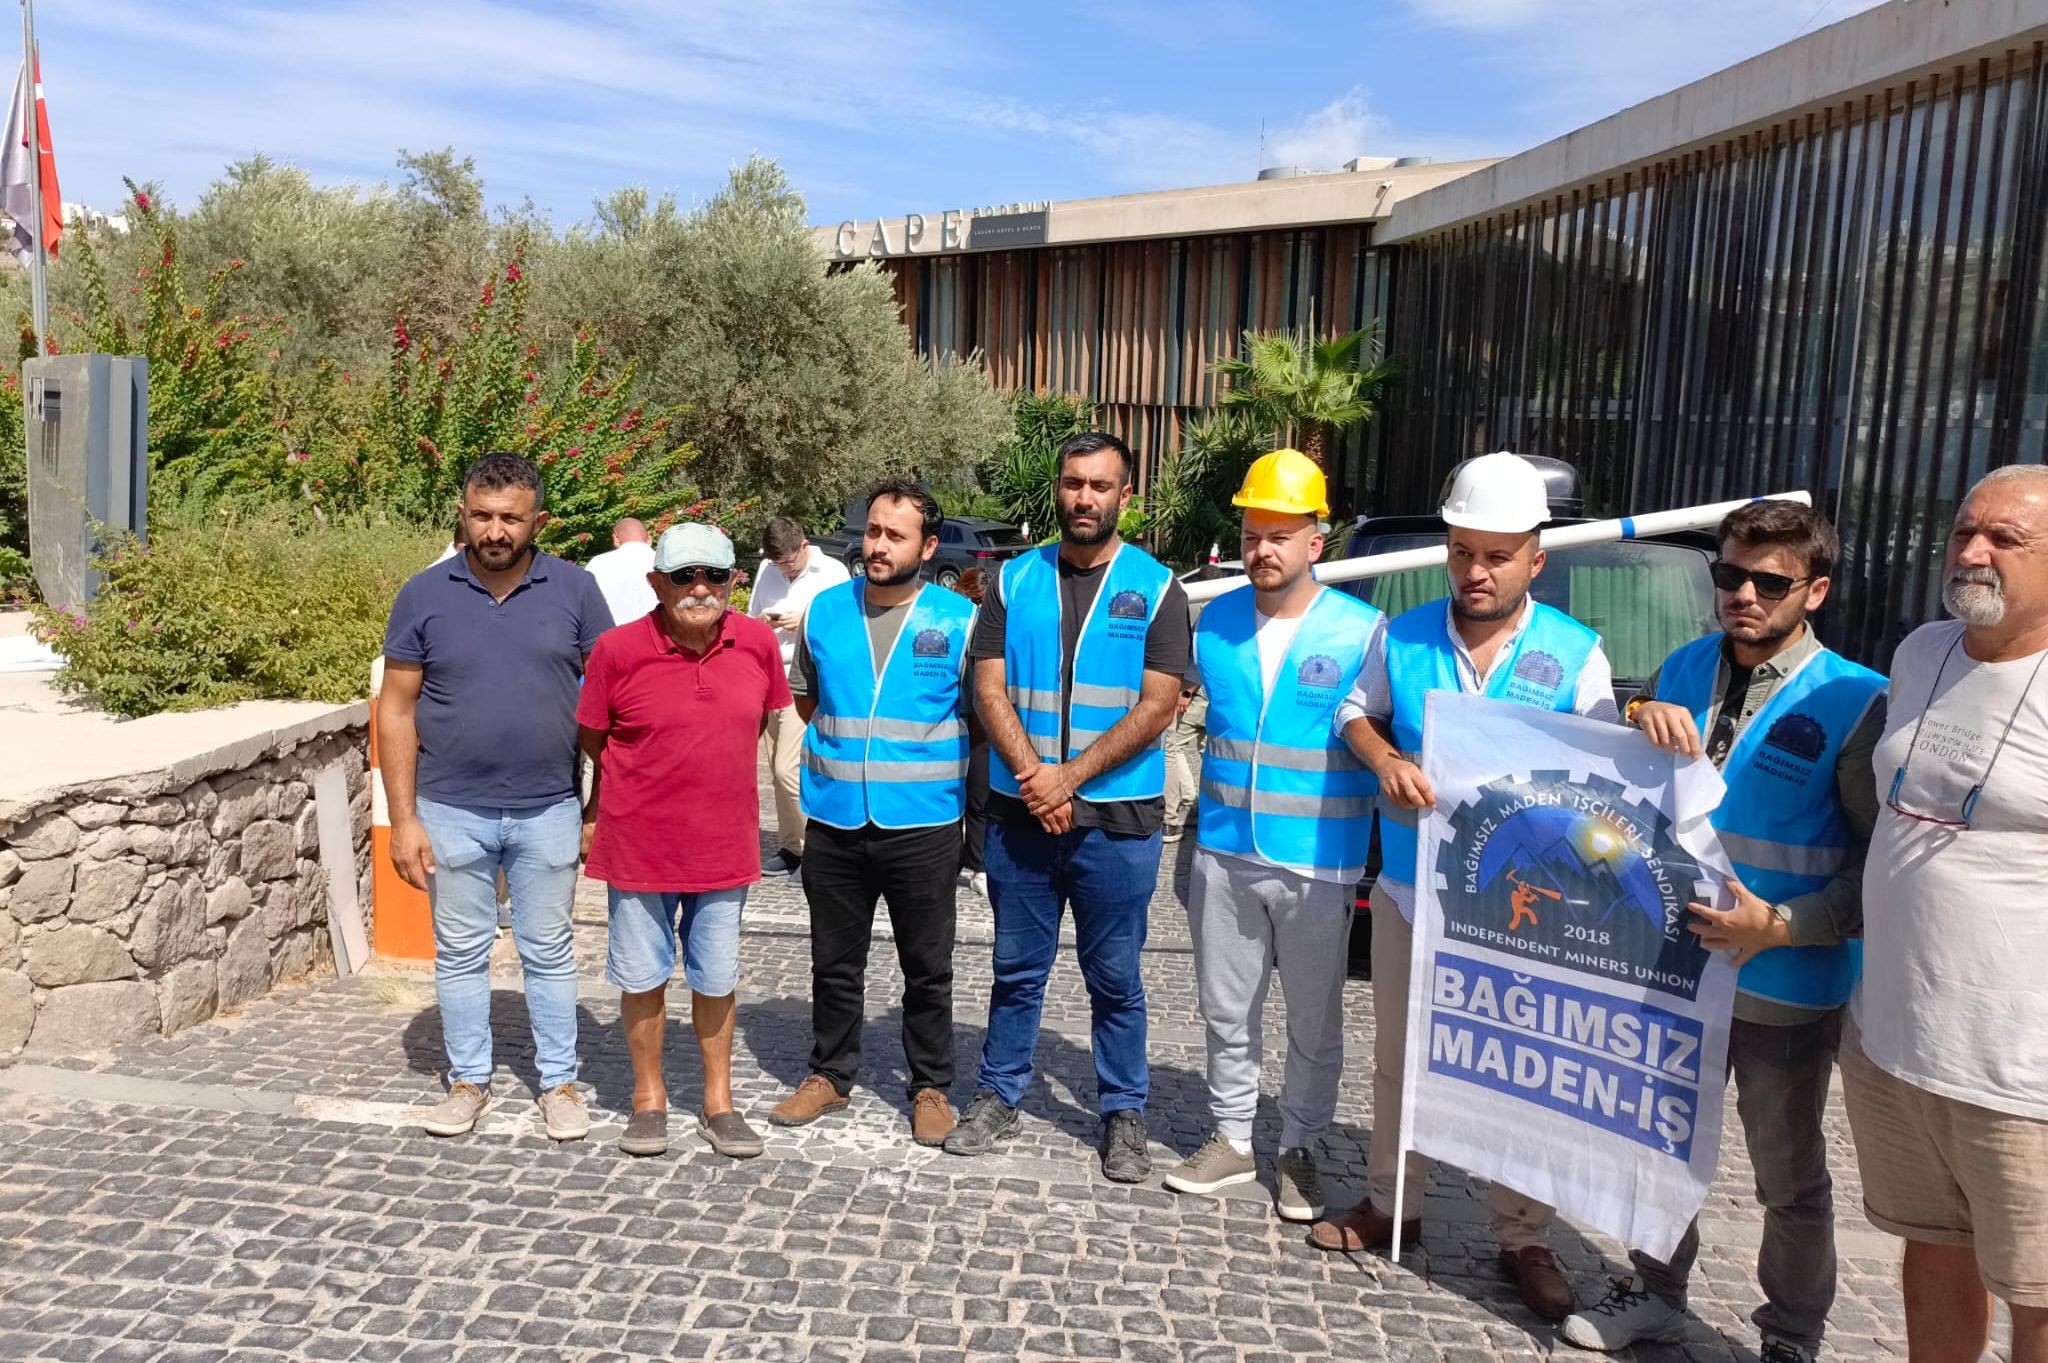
<point x="402" y="921"/>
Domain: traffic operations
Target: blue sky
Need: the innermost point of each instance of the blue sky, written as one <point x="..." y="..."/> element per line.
<point x="874" y="106"/>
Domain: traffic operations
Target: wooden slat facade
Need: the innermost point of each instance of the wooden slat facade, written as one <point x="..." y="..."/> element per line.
<point x="1136" y="326"/>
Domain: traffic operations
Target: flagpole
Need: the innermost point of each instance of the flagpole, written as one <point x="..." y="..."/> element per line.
<point x="39" y="278"/>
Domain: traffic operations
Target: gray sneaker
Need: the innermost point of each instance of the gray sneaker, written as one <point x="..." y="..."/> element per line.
<point x="730" y="1135"/>
<point x="1630" y="1313"/>
<point x="456" y="1114"/>
<point x="1297" y="1186"/>
<point x="1212" y="1168"/>
<point x="561" y="1108"/>
<point x="1777" y="1349"/>
<point x="988" y="1123"/>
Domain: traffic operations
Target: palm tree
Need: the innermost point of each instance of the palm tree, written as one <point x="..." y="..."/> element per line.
<point x="1288" y="381"/>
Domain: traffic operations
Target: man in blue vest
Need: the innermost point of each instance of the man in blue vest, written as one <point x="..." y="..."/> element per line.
<point x="1285" y="823"/>
<point x="877" y="677"/>
<point x="1079" y="655"/>
<point x="1489" y="639"/>
<point x="1792" y="727"/>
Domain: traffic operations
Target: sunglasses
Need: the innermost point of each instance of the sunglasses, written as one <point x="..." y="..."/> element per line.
<point x="716" y="577"/>
<point x="1769" y="586"/>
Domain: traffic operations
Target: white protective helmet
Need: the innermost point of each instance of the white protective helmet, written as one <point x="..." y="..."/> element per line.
<point x="1500" y="493"/>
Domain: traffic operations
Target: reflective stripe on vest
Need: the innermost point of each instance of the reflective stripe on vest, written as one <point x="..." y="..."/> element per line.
<point x="1278" y="784"/>
<point x="1781" y="822"/>
<point x="1109" y="666"/>
<point x="1543" y="672"/>
<point x="894" y="755"/>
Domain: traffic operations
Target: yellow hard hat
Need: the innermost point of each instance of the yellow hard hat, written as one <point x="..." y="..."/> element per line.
<point x="1285" y="480"/>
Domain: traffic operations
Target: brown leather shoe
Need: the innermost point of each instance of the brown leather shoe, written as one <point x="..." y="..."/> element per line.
<point x="931" y="1116"/>
<point x="1363" y="1227"/>
<point x="813" y="1098"/>
<point x="1540" y="1279"/>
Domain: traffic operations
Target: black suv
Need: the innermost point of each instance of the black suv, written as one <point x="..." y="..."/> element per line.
<point x="964" y="542"/>
<point x="1645" y="597"/>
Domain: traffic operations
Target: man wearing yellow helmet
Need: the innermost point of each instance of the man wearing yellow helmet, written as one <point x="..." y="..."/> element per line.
<point x="1284" y="823"/>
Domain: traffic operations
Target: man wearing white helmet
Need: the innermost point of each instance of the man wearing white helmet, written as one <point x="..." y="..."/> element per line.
<point x="1488" y="639"/>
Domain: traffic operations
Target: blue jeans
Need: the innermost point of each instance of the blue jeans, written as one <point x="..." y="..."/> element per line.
<point x="641" y="948"/>
<point x="1032" y="876"/>
<point x="537" y="848"/>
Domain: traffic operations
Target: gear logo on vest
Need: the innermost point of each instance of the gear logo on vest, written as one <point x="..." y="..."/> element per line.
<point x="930" y="643"/>
<point x="1799" y="734"/>
<point x="1319" y="670"/>
<point x="1575" y="872"/>
<point x="1540" y="669"/>
<point x="1130" y="605"/>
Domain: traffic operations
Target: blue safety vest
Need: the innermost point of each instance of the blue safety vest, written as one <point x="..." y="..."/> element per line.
<point x="1781" y="822"/>
<point x="1277" y="782"/>
<point x="1543" y="672"/>
<point x="895" y="754"/>
<point x="1109" y="666"/>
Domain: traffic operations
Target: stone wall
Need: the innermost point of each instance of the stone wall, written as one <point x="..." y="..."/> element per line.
<point x="129" y="907"/>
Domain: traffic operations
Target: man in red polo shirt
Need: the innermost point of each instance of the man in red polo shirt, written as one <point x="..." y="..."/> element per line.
<point x="672" y="710"/>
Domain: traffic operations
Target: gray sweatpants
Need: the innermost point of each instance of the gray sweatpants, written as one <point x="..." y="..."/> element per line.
<point x="1245" y="917"/>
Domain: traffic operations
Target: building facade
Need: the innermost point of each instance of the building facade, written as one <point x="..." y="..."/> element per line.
<point x="1822" y="269"/>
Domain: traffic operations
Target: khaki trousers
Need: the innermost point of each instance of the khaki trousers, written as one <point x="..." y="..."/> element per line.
<point x="1518" y="1221"/>
<point x="783" y="745"/>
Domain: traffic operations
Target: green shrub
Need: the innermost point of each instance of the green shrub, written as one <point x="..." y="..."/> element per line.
<point x="228" y="605"/>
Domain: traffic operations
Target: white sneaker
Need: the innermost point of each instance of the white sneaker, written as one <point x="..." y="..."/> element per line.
<point x="1629" y="1314"/>
<point x="980" y="883"/>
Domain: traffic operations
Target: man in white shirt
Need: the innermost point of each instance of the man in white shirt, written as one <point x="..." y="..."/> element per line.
<point x="1286" y="818"/>
<point x="622" y="570"/>
<point x="1488" y="639"/>
<point x="1945" y="1070"/>
<point x="791" y="575"/>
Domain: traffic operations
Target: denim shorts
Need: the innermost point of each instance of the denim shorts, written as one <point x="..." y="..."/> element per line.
<point x="644" y="925"/>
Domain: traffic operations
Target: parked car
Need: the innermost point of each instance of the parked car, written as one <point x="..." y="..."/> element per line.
<point x="964" y="542"/>
<point x="1645" y="597"/>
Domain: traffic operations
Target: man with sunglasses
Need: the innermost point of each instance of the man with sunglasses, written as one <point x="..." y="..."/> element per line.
<point x="1945" y="1063"/>
<point x="1791" y="727"/>
<point x="790" y="578"/>
<point x="672" y="710"/>
<point x="877" y="679"/>
<point x="1488" y="639"/>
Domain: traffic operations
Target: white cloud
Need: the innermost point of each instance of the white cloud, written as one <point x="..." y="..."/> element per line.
<point x="1326" y="139"/>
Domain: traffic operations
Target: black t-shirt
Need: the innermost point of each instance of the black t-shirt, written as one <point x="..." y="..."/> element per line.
<point x="1168" y="648"/>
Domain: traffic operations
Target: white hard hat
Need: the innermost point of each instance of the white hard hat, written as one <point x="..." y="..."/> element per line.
<point x="1500" y="493"/>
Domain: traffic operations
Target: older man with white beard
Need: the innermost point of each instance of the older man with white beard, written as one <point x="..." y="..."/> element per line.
<point x="1945" y="1070"/>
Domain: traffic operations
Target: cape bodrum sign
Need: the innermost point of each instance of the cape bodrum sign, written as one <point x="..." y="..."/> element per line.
<point x="1567" y="1033"/>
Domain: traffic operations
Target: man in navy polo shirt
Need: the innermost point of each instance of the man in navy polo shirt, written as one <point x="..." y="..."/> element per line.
<point x="477" y="729"/>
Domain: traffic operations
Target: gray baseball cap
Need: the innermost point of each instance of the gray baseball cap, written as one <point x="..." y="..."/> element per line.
<point x="692" y="546"/>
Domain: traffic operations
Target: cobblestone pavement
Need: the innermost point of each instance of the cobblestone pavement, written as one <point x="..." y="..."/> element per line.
<point x="251" y="1189"/>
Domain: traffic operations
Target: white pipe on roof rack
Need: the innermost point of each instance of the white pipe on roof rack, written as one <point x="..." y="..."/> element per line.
<point x="1557" y="537"/>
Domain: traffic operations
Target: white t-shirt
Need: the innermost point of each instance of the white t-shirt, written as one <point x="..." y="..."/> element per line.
<point x="621" y="575"/>
<point x="1954" y="997"/>
<point x="774" y="592"/>
<point x="1275" y="637"/>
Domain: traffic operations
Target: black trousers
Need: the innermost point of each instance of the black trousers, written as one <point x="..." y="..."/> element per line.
<point x="976" y="823"/>
<point x="914" y="869"/>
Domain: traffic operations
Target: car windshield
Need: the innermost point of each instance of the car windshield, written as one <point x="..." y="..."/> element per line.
<point x="1644" y="599"/>
<point x="1004" y="537"/>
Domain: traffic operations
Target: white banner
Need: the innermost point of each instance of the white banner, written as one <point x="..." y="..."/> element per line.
<point x="1567" y="1034"/>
